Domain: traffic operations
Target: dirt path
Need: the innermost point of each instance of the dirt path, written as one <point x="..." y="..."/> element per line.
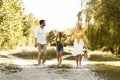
<point x="31" y="72"/>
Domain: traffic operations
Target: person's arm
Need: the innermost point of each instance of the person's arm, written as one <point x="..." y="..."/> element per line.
<point x="35" y="44"/>
<point x="71" y="33"/>
<point x="85" y="41"/>
<point x="62" y="41"/>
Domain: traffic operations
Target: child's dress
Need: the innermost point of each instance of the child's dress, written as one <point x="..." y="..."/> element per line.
<point x="59" y="46"/>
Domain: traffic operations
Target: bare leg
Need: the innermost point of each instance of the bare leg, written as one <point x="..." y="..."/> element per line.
<point x="77" y="60"/>
<point x="57" y="55"/>
<point x="60" y="58"/>
<point x="80" y="59"/>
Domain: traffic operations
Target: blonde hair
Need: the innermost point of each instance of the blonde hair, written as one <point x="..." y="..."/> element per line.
<point x="79" y="25"/>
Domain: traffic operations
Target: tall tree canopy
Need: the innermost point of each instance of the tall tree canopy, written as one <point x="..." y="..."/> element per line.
<point x="105" y="32"/>
<point x="14" y="25"/>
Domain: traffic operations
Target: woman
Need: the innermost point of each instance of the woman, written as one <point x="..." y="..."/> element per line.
<point x="79" y="43"/>
<point x="59" y="48"/>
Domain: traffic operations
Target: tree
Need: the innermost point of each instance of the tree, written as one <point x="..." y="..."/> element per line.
<point x="106" y="28"/>
<point x="10" y="23"/>
<point x="16" y="28"/>
<point x="28" y="27"/>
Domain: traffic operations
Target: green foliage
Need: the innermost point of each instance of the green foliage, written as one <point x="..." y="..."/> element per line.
<point x="107" y="72"/>
<point x="15" y="28"/>
<point x="104" y="33"/>
<point x="51" y="38"/>
<point x="104" y="57"/>
<point x="28" y="23"/>
<point x="51" y="53"/>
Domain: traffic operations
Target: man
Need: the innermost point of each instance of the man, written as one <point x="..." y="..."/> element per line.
<point x="40" y="42"/>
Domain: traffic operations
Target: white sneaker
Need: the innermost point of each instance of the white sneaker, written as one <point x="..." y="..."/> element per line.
<point x="39" y="66"/>
<point x="44" y="65"/>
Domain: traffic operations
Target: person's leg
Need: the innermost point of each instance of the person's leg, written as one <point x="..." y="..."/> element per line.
<point x="60" y="57"/>
<point x="44" y="53"/>
<point x="76" y="57"/>
<point x="80" y="59"/>
<point x="57" y="55"/>
<point x="58" y="49"/>
<point x="39" y="54"/>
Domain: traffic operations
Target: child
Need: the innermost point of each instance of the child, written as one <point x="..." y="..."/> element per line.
<point x="59" y="48"/>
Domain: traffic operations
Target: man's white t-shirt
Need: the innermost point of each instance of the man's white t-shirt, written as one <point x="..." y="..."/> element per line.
<point x="40" y="34"/>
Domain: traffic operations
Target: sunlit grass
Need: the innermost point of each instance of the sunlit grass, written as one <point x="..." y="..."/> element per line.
<point x="108" y="72"/>
<point x="51" y="53"/>
<point x="26" y="54"/>
<point x="104" y="57"/>
<point x="106" y="65"/>
<point x="3" y="56"/>
<point x="4" y="59"/>
<point x="64" y="66"/>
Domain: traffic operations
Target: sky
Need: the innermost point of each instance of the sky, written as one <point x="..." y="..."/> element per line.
<point x="59" y="14"/>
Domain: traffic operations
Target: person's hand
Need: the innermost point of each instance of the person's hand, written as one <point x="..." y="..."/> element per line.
<point x="68" y="35"/>
<point x="35" y="45"/>
<point x="85" y="47"/>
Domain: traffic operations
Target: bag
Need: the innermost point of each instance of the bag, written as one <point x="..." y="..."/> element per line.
<point x="85" y="54"/>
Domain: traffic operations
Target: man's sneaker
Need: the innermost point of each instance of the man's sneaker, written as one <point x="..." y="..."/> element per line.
<point x="44" y="65"/>
<point x="40" y="66"/>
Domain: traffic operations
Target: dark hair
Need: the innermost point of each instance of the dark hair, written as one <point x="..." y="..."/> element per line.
<point x="41" y="21"/>
<point x="60" y="34"/>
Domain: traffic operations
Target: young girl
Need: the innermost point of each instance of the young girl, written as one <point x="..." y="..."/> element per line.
<point x="59" y="48"/>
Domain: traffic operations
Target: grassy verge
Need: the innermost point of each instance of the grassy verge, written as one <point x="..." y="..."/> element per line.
<point x="64" y="66"/>
<point x="4" y="59"/>
<point x="2" y="56"/>
<point x="109" y="69"/>
<point x="104" y="57"/>
<point x="51" y="53"/>
<point x="107" y="72"/>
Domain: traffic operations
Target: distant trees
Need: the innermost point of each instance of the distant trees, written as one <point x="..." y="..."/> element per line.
<point x="104" y="33"/>
<point x="51" y="37"/>
<point x="102" y="25"/>
<point x="16" y="28"/>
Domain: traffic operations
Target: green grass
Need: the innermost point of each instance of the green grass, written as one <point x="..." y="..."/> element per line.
<point x="2" y="56"/>
<point x="105" y="70"/>
<point x="26" y="54"/>
<point x="64" y="66"/>
<point x="108" y="72"/>
<point x="104" y="57"/>
<point x="51" y="53"/>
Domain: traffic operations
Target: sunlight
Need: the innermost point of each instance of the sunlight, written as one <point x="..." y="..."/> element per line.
<point x="112" y="63"/>
<point x="59" y="14"/>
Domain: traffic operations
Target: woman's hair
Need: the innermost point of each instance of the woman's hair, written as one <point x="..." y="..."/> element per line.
<point x="60" y="34"/>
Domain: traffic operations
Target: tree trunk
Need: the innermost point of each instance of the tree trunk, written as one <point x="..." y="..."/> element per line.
<point x="118" y="50"/>
<point x="112" y="50"/>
